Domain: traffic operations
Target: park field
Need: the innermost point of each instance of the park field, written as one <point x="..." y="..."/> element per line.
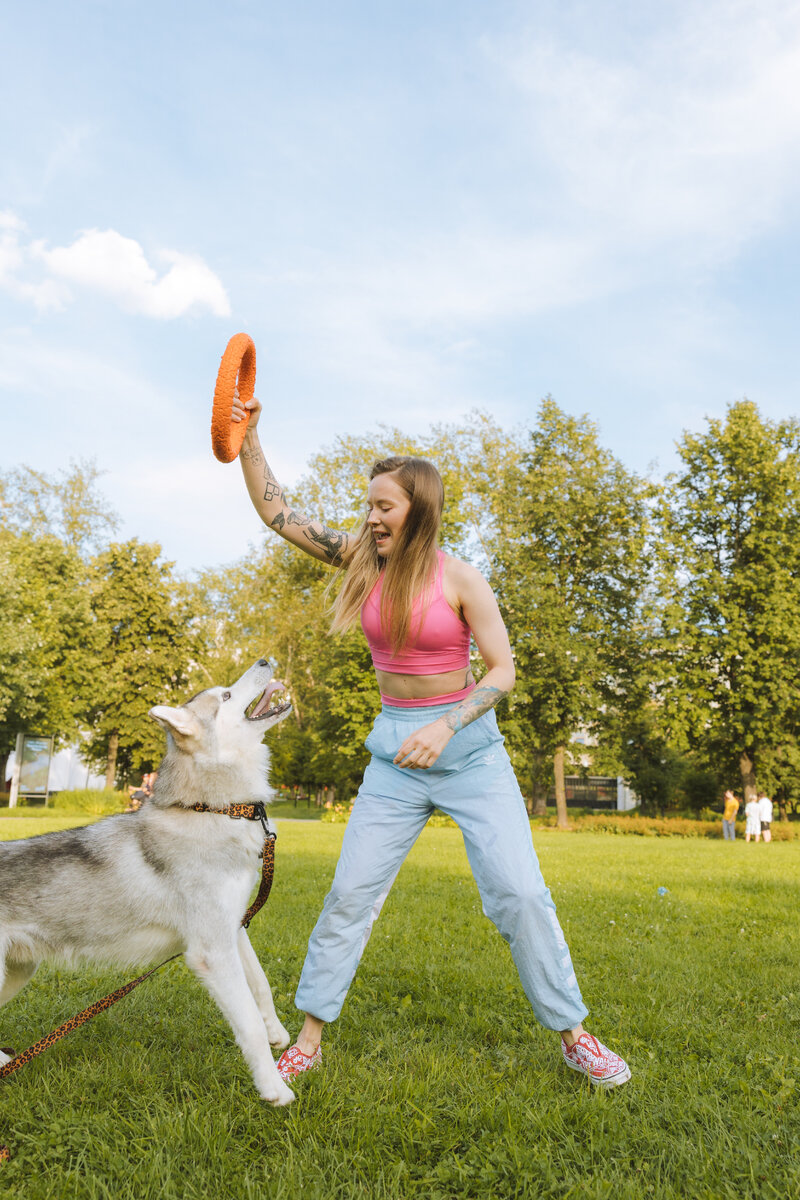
<point x="436" y="1082"/>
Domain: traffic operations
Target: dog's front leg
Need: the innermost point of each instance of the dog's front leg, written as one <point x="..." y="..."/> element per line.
<point x="12" y="978"/>
<point x="259" y="986"/>
<point x="222" y="974"/>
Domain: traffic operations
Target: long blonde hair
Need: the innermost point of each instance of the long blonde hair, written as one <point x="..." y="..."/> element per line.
<point x="409" y="570"/>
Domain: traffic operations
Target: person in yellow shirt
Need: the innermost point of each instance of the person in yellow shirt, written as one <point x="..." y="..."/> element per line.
<point x="729" y="816"/>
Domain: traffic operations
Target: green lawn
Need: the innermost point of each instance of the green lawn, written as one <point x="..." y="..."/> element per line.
<point x="27" y="822"/>
<point x="437" y="1083"/>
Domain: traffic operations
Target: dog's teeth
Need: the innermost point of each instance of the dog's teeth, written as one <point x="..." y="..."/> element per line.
<point x="264" y="702"/>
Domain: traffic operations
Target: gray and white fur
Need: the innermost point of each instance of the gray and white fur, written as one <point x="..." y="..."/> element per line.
<point x="138" y="887"/>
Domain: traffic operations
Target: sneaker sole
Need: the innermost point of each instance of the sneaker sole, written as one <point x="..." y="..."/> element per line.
<point x="609" y="1081"/>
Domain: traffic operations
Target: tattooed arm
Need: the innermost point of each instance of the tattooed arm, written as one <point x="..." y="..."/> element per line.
<point x="269" y="500"/>
<point x="479" y="609"/>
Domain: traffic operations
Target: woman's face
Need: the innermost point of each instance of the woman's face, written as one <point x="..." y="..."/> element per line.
<point x="387" y="509"/>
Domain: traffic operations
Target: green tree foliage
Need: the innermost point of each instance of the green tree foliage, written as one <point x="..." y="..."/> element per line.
<point x="44" y="620"/>
<point x="68" y="505"/>
<point x="730" y="570"/>
<point x="570" y="562"/>
<point x="139" y="653"/>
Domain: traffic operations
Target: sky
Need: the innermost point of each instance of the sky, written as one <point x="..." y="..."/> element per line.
<point x="415" y="210"/>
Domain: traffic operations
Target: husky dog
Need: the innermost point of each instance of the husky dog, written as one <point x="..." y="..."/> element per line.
<point x="141" y="886"/>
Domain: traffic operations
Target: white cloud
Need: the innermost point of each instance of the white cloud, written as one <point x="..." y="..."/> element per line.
<point x="696" y="142"/>
<point x="106" y="262"/>
<point x="639" y="172"/>
<point x="44" y="294"/>
<point x="109" y="264"/>
<point x="9" y="220"/>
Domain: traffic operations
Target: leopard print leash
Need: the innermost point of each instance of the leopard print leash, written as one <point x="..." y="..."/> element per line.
<point x="248" y="812"/>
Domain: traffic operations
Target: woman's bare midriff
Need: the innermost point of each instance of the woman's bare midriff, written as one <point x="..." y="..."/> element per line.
<point x="422" y="687"/>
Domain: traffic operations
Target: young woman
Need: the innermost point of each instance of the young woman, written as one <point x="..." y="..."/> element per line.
<point x="435" y="744"/>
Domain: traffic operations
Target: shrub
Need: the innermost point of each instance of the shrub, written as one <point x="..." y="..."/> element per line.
<point x="622" y="823"/>
<point x="90" y="800"/>
<point x="337" y="814"/>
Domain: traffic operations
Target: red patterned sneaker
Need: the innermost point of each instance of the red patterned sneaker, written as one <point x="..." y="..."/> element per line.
<point x="596" y="1061"/>
<point x="293" y="1062"/>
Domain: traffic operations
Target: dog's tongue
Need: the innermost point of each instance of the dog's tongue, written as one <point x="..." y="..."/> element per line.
<point x="263" y="704"/>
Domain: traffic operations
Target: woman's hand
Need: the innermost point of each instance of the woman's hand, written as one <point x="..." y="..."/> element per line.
<point x="421" y="748"/>
<point x="240" y="411"/>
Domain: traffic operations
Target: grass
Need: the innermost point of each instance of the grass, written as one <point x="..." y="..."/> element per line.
<point x="29" y="821"/>
<point x="437" y="1083"/>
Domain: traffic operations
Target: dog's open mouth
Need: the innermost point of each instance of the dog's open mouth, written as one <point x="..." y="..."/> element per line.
<point x="265" y="705"/>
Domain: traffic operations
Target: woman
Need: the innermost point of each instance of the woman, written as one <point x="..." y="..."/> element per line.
<point x="435" y="744"/>
<point x="752" y="814"/>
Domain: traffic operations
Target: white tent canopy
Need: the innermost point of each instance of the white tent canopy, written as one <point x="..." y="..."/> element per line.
<point x="67" y="771"/>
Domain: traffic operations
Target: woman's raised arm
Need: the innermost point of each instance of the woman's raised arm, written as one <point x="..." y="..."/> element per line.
<point x="329" y="545"/>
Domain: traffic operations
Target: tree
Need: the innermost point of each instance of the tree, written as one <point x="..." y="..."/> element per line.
<point x="570" y="567"/>
<point x="44" y="620"/>
<point x="730" y="569"/>
<point x="139" y="654"/>
<point x="68" y="506"/>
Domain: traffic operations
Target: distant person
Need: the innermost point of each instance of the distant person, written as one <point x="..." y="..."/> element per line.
<point x="137" y="796"/>
<point x="765" y="816"/>
<point x="729" y="816"/>
<point x="752" y="814"/>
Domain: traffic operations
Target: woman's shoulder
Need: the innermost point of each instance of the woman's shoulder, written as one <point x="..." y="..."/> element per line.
<point x="458" y="570"/>
<point x="461" y="578"/>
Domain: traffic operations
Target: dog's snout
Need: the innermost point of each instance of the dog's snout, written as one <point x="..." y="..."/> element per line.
<point x="262" y="662"/>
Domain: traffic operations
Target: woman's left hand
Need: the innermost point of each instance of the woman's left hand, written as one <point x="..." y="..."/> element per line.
<point x="421" y="748"/>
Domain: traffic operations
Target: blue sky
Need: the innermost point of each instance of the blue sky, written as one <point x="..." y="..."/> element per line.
<point x="414" y="209"/>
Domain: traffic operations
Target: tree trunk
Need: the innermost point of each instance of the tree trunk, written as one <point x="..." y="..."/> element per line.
<point x="539" y="784"/>
<point x="561" y="790"/>
<point x="747" y="768"/>
<point x="3" y="768"/>
<point x="111" y="760"/>
<point x="539" y="806"/>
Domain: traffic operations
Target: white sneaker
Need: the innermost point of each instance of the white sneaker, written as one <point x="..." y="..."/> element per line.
<point x="591" y="1058"/>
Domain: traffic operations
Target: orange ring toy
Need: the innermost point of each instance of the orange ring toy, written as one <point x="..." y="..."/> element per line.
<point x="238" y="364"/>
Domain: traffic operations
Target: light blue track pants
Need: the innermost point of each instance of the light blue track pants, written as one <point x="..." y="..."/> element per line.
<point x="474" y="783"/>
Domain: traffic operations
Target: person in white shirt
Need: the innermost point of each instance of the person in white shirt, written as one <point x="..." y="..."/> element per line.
<point x="765" y="816"/>
<point x="752" y="820"/>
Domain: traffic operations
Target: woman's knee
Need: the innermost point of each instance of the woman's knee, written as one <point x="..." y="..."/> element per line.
<point x="515" y="900"/>
<point x="350" y="900"/>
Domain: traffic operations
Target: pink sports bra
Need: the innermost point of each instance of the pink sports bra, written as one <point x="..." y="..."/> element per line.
<point x="440" y="637"/>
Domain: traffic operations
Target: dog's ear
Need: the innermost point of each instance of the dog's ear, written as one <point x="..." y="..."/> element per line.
<point x="180" y="722"/>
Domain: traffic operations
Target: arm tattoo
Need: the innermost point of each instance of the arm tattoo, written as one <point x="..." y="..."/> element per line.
<point x="332" y="541"/>
<point x="475" y="705"/>
<point x="254" y="456"/>
<point x="273" y="491"/>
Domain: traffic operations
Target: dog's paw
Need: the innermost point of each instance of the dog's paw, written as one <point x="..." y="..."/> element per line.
<point x="6" y="1057"/>
<point x="278" y="1037"/>
<point x="278" y="1097"/>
